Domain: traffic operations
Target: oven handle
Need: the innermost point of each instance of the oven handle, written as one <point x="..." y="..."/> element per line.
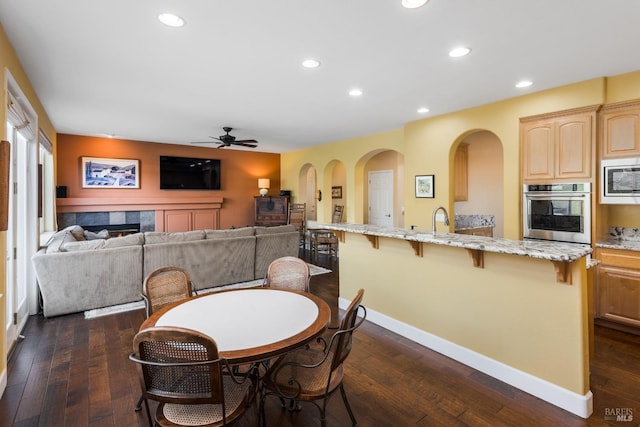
<point x="554" y="197"/>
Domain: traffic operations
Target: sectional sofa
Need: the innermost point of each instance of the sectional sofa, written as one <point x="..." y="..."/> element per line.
<point x="78" y="270"/>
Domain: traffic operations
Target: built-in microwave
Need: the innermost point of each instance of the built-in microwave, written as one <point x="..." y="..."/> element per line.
<point x="620" y="181"/>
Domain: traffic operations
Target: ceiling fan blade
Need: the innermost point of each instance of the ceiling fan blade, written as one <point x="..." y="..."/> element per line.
<point x="247" y="145"/>
<point x="249" y="141"/>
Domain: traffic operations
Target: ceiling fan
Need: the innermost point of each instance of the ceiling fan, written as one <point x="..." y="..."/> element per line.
<point x="228" y="140"/>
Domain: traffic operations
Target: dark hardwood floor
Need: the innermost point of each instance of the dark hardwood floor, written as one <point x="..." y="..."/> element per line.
<point x="69" y="371"/>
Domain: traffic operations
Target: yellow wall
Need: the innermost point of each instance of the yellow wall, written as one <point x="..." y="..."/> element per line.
<point x="9" y="62"/>
<point x="428" y="147"/>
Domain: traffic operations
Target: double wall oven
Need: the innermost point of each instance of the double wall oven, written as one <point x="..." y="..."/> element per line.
<point x="560" y="212"/>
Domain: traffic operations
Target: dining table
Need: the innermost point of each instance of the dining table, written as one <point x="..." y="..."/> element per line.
<point x="252" y="324"/>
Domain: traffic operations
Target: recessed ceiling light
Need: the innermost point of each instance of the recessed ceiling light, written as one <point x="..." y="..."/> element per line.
<point x="459" y="51"/>
<point x="310" y="63"/>
<point x="423" y="110"/>
<point x="412" y="4"/>
<point x="171" y="20"/>
<point x="355" y="92"/>
<point x="524" y="83"/>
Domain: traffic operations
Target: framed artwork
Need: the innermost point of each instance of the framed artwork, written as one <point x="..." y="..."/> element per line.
<point x="424" y="186"/>
<point x="336" y="192"/>
<point x="99" y="172"/>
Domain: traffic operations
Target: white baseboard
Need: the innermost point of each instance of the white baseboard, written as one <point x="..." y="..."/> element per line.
<point x="581" y="405"/>
<point x="3" y="382"/>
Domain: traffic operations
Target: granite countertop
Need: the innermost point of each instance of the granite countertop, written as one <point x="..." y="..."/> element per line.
<point x="552" y="251"/>
<point x="622" y="238"/>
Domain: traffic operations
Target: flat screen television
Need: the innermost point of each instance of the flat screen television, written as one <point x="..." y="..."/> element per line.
<point x="189" y="173"/>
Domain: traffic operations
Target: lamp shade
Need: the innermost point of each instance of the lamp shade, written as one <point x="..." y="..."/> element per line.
<point x="263" y="185"/>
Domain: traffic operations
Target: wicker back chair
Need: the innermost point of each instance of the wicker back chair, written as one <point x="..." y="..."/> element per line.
<point x="338" y="210"/>
<point x="165" y="286"/>
<point x="298" y="218"/>
<point x="180" y="368"/>
<point x="288" y="273"/>
<point x="310" y="374"/>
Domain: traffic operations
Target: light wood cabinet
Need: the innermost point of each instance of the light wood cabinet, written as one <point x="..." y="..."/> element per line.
<point x="620" y="124"/>
<point x="460" y="172"/>
<point x="559" y="146"/>
<point x="190" y="219"/>
<point x="618" y="287"/>
<point x="480" y="231"/>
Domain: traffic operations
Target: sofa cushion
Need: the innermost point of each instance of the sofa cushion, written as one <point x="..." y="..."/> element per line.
<point x="275" y="230"/>
<point x="155" y="237"/>
<point x="226" y="234"/>
<point x="136" y="239"/>
<point x="85" y="245"/>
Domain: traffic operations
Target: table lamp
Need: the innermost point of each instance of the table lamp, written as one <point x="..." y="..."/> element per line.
<point x="264" y="184"/>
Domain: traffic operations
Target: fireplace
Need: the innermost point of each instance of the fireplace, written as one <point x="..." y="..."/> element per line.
<point x="115" y="230"/>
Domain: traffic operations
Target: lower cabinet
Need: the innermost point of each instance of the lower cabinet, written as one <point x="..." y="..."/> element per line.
<point x="618" y="287"/>
<point x="480" y="231"/>
<point x="190" y="219"/>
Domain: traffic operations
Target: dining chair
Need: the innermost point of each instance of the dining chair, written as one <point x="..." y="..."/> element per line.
<point x="165" y="286"/>
<point x="336" y="217"/>
<point x="180" y="369"/>
<point x="162" y="287"/>
<point x="323" y="242"/>
<point x="288" y="273"/>
<point x="313" y="374"/>
<point x="297" y="217"/>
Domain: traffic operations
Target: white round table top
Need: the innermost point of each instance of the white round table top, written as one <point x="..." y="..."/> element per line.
<point x="244" y="319"/>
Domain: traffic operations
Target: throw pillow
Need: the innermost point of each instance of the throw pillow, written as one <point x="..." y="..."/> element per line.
<point x="90" y="235"/>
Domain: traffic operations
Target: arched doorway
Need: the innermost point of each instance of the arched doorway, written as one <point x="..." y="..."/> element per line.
<point x="484" y="177"/>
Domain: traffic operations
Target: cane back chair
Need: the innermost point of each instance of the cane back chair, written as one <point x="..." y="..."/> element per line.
<point x="311" y="374"/>
<point x="180" y="369"/>
<point x="288" y="273"/>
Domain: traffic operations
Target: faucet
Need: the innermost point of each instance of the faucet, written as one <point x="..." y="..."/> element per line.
<point x="433" y="217"/>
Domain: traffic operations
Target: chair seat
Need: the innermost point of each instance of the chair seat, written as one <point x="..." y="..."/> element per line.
<point x="236" y="396"/>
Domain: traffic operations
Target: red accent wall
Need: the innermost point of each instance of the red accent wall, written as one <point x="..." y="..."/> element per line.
<point x="240" y="171"/>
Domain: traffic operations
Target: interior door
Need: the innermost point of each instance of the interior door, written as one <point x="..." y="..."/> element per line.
<point x="381" y="198"/>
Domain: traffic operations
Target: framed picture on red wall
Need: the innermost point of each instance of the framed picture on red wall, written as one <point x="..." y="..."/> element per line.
<point x="98" y="172"/>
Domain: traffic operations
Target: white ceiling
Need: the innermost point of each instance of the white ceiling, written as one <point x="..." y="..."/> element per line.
<point x="110" y="67"/>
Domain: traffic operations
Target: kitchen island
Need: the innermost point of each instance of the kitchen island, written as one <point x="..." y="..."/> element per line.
<point x="515" y="310"/>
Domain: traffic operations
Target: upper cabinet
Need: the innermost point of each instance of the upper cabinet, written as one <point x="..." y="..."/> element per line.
<point x="558" y="146"/>
<point x="460" y="173"/>
<point x="620" y="124"/>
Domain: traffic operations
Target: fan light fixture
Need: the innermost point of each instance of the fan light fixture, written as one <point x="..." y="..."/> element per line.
<point x="171" y="20"/>
<point x="423" y="110"/>
<point x="264" y="184"/>
<point x="413" y="4"/>
<point x="355" y="92"/>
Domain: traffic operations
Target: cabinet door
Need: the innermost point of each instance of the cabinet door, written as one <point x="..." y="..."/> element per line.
<point x="538" y="150"/>
<point x="460" y="174"/>
<point x="573" y="147"/>
<point x="621" y="132"/>
<point x="619" y="295"/>
<point x="177" y="220"/>
<point x="205" y="219"/>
